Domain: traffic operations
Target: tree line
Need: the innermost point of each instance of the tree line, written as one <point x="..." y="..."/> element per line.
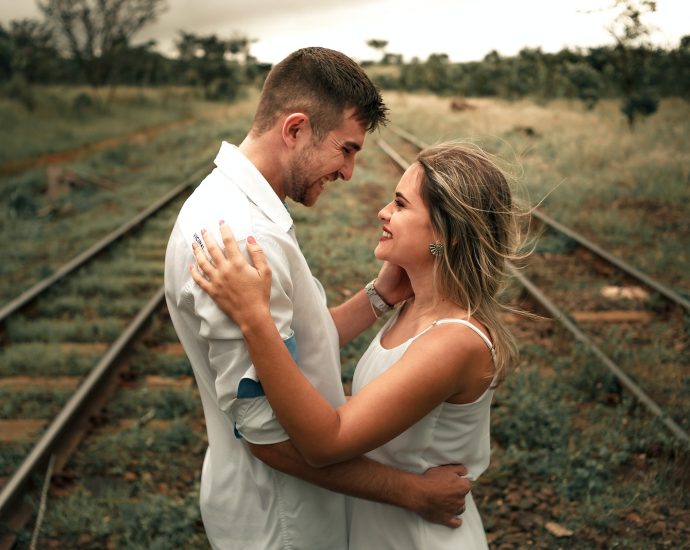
<point x="90" y="42"/>
<point x="585" y="74"/>
<point x="631" y="69"/>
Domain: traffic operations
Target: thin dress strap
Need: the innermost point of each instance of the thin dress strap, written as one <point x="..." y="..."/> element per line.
<point x="468" y="325"/>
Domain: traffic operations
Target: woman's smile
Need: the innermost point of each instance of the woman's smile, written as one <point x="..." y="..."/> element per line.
<point x="385" y="235"/>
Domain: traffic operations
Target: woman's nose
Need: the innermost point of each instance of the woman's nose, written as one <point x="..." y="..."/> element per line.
<point x="384" y="214"/>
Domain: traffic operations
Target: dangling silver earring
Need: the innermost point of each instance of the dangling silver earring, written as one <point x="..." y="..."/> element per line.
<point x="436" y="248"/>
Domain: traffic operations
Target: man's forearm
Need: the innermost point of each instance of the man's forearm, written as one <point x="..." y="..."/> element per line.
<point x="438" y="495"/>
<point x="352" y="317"/>
<point x="359" y="477"/>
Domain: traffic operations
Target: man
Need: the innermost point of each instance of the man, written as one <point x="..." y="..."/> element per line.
<point x="257" y="491"/>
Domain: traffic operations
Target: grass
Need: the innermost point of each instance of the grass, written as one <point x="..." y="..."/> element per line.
<point x="12" y="454"/>
<point x="70" y="117"/>
<point x="562" y="450"/>
<point x="45" y="232"/>
<point x="36" y="403"/>
<point x="156" y="362"/>
<point x="164" y="405"/>
<point x="57" y="330"/>
<point x="140" y="450"/>
<point x="625" y="190"/>
<point x="590" y="464"/>
<point x="70" y="305"/>
<point x="116" y="519"/>
<point x="36" y="359"/>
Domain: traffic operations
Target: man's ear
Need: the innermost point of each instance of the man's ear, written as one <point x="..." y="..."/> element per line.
<point x="295" y="127"/>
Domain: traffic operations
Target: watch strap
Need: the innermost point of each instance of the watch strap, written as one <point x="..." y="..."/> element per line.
<point x="375" y="298"/>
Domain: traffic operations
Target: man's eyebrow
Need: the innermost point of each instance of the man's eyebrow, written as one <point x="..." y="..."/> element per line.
<point x="353" y="145"/>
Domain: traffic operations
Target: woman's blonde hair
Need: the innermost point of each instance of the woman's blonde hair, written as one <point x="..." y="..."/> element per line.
<point x="474" y="216"/>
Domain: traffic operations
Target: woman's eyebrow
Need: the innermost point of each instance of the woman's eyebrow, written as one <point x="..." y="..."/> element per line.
<point x="399" y="195"/>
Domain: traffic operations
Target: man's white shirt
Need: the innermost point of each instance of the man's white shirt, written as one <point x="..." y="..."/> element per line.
<point x="244" y="503"/>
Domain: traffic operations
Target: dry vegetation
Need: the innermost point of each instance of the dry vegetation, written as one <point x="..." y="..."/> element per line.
<point x="569" y="470"/>
<point x="628" y="191"/>
<point x="572" y="467"/>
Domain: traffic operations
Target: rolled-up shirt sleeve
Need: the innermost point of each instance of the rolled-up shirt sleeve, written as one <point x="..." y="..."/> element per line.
<point x="238" y="389"/>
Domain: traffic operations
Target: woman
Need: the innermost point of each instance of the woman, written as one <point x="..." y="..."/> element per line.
<point x="422" y="391"/>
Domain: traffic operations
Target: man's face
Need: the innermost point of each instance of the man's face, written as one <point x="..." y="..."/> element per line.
<point x="315" y="164"/>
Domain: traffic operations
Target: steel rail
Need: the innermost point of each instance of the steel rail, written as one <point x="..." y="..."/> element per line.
<point x="582" y="241"/>
<point x="407" y="136"/>
<point x="610" y="258"/>
<point x="31" y="293"/>
<point x="623" y="378"/>
<point x="71" y="413"/>
<point x="572" y="327"/>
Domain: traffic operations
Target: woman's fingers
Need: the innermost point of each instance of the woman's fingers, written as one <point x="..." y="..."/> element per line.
<point x="199" y="279"/>
<point x="256" y="253"/>
<point x="201" y="259"/>
<point x="212" y="247"/>
<point x="203" y="268"/>
<point x="231" y="248"/>
<point x="217" y="268"/>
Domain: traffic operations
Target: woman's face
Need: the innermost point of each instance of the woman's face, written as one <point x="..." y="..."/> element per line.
<point x="407" y="230"/>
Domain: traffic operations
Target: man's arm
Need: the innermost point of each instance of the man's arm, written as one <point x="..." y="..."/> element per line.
<point x="357" y="314"/>
<point x="438" y="495"/>
<point x="353" y="317"/>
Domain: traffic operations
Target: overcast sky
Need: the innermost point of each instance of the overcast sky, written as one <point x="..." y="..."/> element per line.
<point x="464" y="29"/>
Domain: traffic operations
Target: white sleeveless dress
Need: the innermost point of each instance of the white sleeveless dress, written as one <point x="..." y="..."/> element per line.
<point x="450" y="434"/>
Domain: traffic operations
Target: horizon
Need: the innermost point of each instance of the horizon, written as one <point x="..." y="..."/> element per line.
<point x="460" y="34"/>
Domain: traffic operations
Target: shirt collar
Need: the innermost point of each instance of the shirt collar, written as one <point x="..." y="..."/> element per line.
<point x="235" y="166"/>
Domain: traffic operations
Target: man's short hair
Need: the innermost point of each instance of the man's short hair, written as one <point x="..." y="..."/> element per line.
<point x="321" y="83"/>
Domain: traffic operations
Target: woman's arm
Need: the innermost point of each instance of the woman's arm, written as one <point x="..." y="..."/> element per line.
<point x="431" y="370"/>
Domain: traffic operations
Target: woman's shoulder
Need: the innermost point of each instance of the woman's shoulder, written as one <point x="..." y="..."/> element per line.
<point x="458" y="353"/>
<point x="473" y="324"/>
<point x="461" y="343"/>
<point x="456" y="336"/>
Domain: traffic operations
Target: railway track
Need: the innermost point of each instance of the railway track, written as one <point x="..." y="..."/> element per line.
<point x="65" y="342"/>
<point x="141" y="440"/>
<point x="635" y="326"/>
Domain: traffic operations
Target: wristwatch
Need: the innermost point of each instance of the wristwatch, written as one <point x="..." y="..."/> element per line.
<point x="375" y="298"/>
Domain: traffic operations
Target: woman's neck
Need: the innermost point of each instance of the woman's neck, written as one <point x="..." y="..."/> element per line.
<point x="428" y="304"/>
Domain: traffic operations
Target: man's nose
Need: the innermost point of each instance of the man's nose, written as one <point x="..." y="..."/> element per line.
<point x="345" y="173"/>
